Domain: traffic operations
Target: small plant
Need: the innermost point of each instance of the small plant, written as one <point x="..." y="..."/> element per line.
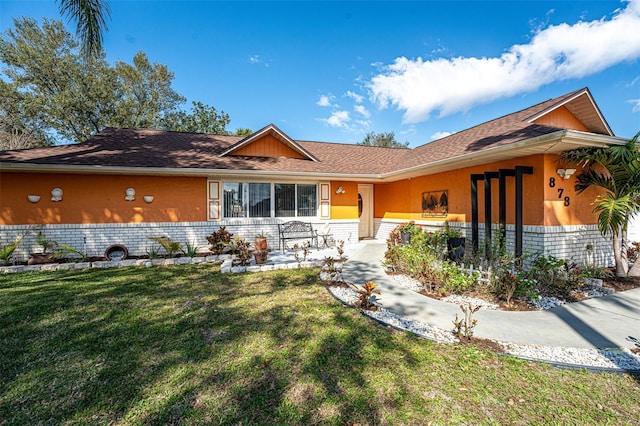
<point x="242" y="251"/>
<point x="455" y="279"/>
<point x="6" y="251"/>
<point x="407" y="228"/>
<point x="190" y="250"/>
<point x="48" y="245"/>
<point x="153" y="251"/>
<point x="340" y="248"/>
<point x="220" y="240"/>
<point x="634" y="251"/>
<point x="64" y="250"/>
<point x="366" y="296"/>
<point x="464" y="326"/>
<point x="171" y="247"/>
<point x="329" y="265"/>
<point x="305" y="251"/>
<point x="593" y="271"/>
<point x="509" y="284"/>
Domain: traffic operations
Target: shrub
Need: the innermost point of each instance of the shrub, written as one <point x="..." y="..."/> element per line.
<point x="242" y="251"/>
<point x="455" y="279"/>
<point x="219" y="241"/>
<point x="463" y="327"/>
<point x="190" y="249"/>
<point x="508" y="284"/>
<point x="6" y="251"/>
<point x="171" y="247"/>
<point x="634" y="251"/>
<point x="366" y="296"/>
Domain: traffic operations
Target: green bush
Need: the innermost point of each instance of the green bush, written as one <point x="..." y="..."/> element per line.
<point x="455" y="279"/>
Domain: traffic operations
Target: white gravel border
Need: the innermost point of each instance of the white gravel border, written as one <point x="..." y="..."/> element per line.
<point x="618" y="360"/>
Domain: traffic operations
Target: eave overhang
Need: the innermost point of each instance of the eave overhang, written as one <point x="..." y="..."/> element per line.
<point x="552" y="143"/>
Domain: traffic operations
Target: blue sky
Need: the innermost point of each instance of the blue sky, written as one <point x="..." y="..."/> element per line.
<point x="333" y="71"/>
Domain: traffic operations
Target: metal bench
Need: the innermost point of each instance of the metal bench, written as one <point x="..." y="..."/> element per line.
<point x="296" y="230"/>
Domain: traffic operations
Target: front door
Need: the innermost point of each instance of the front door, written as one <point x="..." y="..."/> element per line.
<point x="365" y="211"/>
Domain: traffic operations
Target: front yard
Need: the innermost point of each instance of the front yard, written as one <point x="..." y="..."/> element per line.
<point x="188" y="345"/>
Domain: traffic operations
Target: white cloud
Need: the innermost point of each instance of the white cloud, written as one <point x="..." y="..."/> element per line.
<point x="440" y="135"/>
<point x="362" y="111"/>
<point x="558" y="52"/>
<point x="636" y="104"/>
<point x="338" y="119"/>
<point x="256" y="59"/>
<point x="354" y="96"/>
<point x="324" y="101"/>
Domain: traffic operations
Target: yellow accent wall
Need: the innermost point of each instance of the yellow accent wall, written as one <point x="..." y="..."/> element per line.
<point x="100" y="199"/>
<point x="344" y="206"/>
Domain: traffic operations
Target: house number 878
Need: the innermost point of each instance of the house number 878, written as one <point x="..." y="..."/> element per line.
<point x="552" y="184"/>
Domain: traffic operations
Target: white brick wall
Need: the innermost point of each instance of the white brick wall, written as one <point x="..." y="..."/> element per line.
<point x="582" y="244"/>
<point x="93" y="239"/>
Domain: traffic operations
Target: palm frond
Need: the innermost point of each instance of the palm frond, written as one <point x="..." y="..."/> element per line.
<point x="613" y="212"/>
<point x="91" y="16"/>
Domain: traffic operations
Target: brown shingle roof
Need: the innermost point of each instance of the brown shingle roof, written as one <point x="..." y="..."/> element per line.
<point x="131" y="148"/>
<point x="508" y="129"/>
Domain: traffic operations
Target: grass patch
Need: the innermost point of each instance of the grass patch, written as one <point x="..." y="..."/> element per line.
<point x="188" y="345"/>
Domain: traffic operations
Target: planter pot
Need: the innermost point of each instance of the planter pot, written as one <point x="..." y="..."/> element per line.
<point x="260" y="256"/>
<point x="116" y="252"/>
<point x="40" y="258"/>
<point x="406" y="237"/>
<point x="455" y="248"/>
<point x="261" y="243"/>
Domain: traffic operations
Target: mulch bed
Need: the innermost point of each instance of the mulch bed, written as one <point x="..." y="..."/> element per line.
<point x="569" y="295"/>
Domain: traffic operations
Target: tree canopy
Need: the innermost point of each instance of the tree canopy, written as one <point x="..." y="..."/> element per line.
<point x="50" y="93"/>
<point x="386" y="140"/>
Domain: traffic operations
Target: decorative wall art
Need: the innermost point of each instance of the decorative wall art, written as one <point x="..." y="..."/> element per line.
<point x="435" y="204"/>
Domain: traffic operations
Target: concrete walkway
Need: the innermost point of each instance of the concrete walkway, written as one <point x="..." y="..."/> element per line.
<point x="604" y="322"/>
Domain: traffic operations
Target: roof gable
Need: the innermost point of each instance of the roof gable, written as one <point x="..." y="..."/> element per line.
<point x="579" y="104"/>
<point x="269" y="142"/>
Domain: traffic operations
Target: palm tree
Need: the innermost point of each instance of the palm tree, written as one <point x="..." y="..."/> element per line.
<point x="616" y="169"/>
<point x="91" y="18"/>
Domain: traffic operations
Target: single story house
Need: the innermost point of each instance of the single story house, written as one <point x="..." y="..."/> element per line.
<point x="125" y="185"/>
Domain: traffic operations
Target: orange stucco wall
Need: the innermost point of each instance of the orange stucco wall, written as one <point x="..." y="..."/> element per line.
<point x="558" y="192"/>
<point x="268" y="146"/>
<point x="100" y="199"/>
<point x="541" y="205"/>
<point x="562" y="118"/>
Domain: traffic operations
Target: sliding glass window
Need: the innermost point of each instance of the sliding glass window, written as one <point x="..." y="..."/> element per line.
<point x="248" y="199"/>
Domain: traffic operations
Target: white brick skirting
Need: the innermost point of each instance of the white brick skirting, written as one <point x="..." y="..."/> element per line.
<point x="93" y="239"/>
<point x="582" y="244"/>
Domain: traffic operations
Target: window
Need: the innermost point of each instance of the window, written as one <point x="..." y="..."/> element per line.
<point x="295" y="200"/>
<point x="307" y="197"/>
<point x="242" y="199"/>
<point x="247" y="199"/>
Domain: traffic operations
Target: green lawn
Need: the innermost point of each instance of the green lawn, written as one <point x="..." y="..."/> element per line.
<point x="188" y="345"/>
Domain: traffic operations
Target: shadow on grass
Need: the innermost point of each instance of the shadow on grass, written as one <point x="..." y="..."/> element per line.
<point x="153" y="346"/>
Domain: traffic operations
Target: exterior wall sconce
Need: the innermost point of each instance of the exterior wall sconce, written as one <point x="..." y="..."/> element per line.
<point x="340" y="190"/>
<point x="565" y="173"/>
<point x="56" y="194"/>
<point x="33" y="198"/>
<point x="130" y="194"/>
<point x="148" y="198"/>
